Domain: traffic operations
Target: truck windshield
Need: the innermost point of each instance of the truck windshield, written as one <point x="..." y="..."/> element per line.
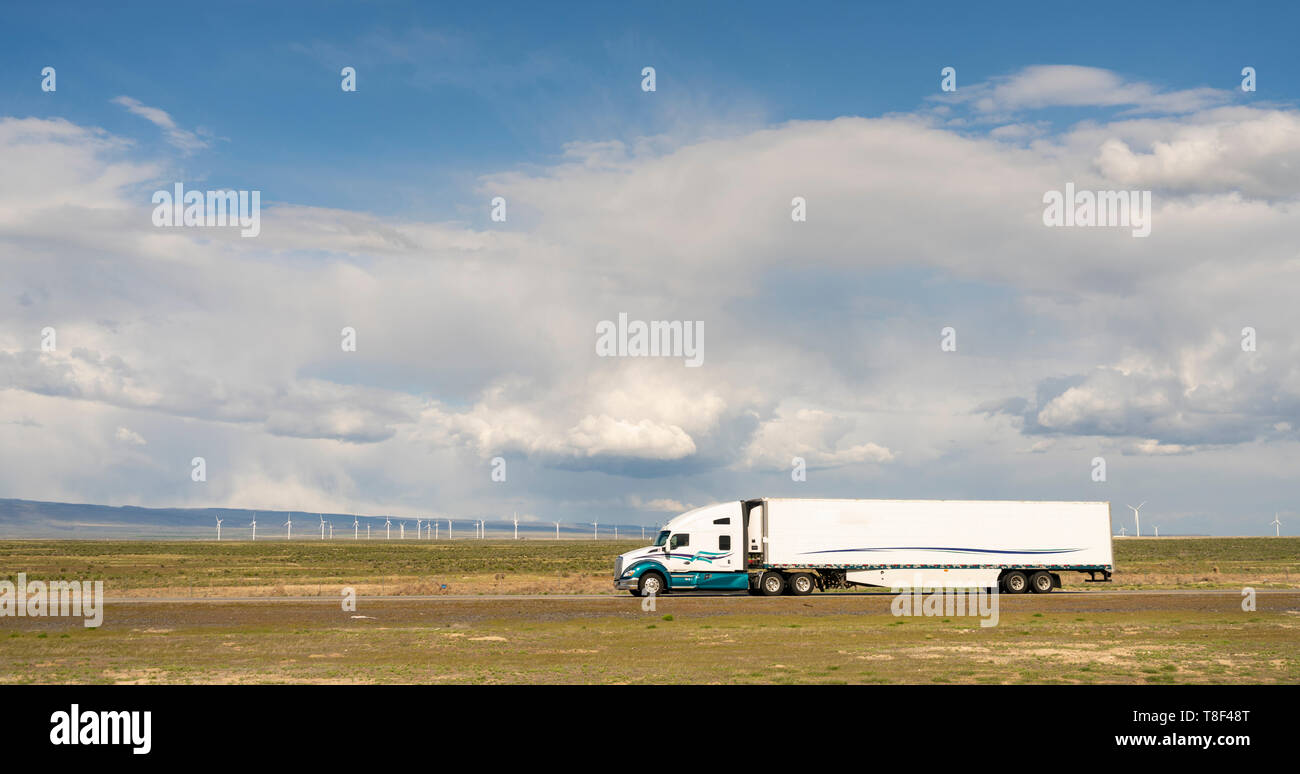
<point x="662" y="539"/>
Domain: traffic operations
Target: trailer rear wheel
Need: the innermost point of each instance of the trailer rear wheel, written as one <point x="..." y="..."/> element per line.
<point x="1015" y="582"/>
<point x="800" y="584"/>
<point x="1041" y="582"/>
<point x="771" y="584"/>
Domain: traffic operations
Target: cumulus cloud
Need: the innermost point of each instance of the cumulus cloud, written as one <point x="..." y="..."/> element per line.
<point x="1255" y="153"/>
<point x="659" y="505"/>
<point x="823" y="336"/>
<point x="814" y="435"/>
<point x="127" y="436"/>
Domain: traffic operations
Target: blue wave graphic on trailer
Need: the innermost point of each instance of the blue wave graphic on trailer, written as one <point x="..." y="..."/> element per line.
<point x="950" y="550"/>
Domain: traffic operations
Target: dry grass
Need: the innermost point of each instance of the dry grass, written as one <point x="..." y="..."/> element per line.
<point x="1204" y="638"/>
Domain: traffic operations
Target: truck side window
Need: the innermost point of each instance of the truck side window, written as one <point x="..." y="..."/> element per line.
<point x="680" y="539"/>
<point x="727" y="520"/>
<point x="724" y="543"/>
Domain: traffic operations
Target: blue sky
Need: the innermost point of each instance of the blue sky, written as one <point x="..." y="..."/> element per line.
<point x="822" y="337"/>
<point x="449" y="92"/>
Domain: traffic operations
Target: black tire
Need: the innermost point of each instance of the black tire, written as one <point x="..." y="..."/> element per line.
<point x="1041" y="582"/>
<point x="651" y="582"/>
<point x="1015" y="582"/>
<point x="771" y="584"/>
<point x="800" y="584"/>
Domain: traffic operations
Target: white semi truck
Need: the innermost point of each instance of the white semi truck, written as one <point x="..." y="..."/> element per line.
<point x="776" y="546"/>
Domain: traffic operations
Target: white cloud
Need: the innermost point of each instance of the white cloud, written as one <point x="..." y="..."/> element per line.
<point x="1256" y="153"/>
<point x="127" y="436"/>
<point x="659" y="505"/>
<point x="823" y="336"/>
<point x="814" y="435"/>
<point x="1045" y="86"/>
<point x="182" y="139"/>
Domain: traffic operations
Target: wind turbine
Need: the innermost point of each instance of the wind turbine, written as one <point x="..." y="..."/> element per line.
<point x="595" y="530"/>
<point x="516" y="525"/>
<point x="356" y="529"/>
<point x="218" y="528"/>
<point x="367" y="530"/>
<point x="1157" y="526"/>
<point x="402" y="533"/>
<point x="435" y="529"/>
<point x="643" y="533"/>
<point x="331" y="530"/>
<point x="1123" y="531"/>
<point x="616" y="532"/>
<point x="449" y="529"/>
<point x="1137" y="517"/>
<point x="557" y="530"/>
<point x="254" y="526"/>
<point x="419" y="523"/>
<point x="1277" y="525"/>
<point x="388" y="528"/>
<point x="289" y="524"/>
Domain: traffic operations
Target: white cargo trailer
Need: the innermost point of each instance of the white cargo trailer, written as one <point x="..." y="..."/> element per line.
<point x="774" y="545"/>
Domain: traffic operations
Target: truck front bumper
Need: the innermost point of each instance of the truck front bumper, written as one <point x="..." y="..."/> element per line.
<point x="623" y="584"/>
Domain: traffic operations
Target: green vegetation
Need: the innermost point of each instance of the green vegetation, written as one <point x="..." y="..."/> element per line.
<point x="1161" y="639"/>
<point x="1263" y="562"/>
<point x="305" y="567"/>
<point x="193" y="568"/>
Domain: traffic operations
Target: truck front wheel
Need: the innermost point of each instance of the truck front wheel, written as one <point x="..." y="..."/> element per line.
<point x="650" y="583"/>
<point x="801" y="584"/>
<point x="1015" y="582"/>
<point x="771" y="584"/>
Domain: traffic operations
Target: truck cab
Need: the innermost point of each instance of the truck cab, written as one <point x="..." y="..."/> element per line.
<point x="702" y="549"/>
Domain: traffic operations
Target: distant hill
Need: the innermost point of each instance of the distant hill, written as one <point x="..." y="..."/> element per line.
<point x="79" y="521"/>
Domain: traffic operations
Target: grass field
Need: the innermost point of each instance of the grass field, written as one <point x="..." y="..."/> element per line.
<point x="306" y="567"/>
<point x="1081" y="638"/>
<point x="279" y="568"/>
<point x="552" y="634"/>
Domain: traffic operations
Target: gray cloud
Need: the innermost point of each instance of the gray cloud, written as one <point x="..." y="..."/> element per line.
<point x="823" y="336"/>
